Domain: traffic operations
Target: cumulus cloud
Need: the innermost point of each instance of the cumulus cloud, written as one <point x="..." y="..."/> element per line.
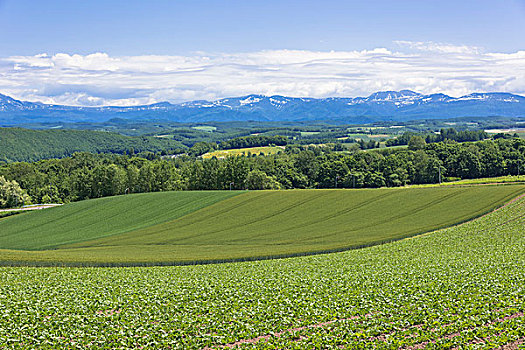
<point x="100" y="79"/>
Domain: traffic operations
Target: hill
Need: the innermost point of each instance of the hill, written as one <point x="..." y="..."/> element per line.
<point x="185" y="227"/>
<point x="380" y="106"/>
<point x="17" y="144"/>
<point x="460" y="287"/>
<point x="97" y="218"/>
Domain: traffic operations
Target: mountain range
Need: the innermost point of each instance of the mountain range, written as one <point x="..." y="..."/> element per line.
<point x="380" y="106"/>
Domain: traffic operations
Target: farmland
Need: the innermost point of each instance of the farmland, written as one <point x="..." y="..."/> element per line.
<point x="207" y="128"/>
<point x="243" y="151"/>
<point x="479" y="181"/>
<point x="86" y="220"/>
<point x="207" y="226"/>
<point x="458" y="287"/>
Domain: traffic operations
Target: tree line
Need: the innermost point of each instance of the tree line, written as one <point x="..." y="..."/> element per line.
<point x="444" y="134"/>
<point x="200" y="148"/>
<point x="86" y="175"/>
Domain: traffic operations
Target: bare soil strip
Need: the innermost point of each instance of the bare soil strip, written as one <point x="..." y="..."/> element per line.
<point x="381" y="337"/>
<point x="36" y="207"/>
<point x="514" y="345"/>
<point x="266" y="337"/>
<point x="422" y="345"/>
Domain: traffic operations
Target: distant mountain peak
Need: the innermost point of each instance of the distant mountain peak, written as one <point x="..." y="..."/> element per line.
<point x="161" y="104"/>
<point x="393" y="95"/>
<point x="6" y="98"/>
<point x="251" y="99"/>
<point x="382" y="105"/>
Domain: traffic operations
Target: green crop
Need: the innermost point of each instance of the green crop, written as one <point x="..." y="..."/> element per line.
<point x="85" y="220"/>
<point x="461" y="287"/>
<point x="190" y="227"/>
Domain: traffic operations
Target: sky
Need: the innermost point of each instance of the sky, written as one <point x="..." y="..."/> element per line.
<point x="115" y="52"/>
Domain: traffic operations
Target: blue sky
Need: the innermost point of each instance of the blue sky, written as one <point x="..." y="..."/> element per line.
<point x="134" y="27"/>
<point x="105" y="52"/>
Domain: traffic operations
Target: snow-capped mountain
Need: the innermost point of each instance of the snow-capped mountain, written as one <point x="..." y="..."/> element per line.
<point x="384" y="105"/>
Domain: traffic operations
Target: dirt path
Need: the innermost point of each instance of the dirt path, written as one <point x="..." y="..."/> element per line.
<point x="33" y="207"/>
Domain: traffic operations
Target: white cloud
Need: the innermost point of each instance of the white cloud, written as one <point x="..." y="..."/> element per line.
<point x="438" y="47"/>
<point x="99" y="79"/>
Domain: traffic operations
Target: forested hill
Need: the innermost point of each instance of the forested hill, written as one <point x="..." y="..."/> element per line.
<point x="18" y="144"/>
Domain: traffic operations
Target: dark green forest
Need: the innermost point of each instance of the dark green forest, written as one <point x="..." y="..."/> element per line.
<point x="444" y="134"/>
<point x="86" y="175"/>
<point x="18" y="144"/>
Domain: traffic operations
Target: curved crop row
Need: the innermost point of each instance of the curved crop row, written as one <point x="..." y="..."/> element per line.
<point x="460" y="287"/>
<point x="199" y="227"/>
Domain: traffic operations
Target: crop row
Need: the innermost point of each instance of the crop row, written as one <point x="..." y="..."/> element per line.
<point x="459" y="287"/>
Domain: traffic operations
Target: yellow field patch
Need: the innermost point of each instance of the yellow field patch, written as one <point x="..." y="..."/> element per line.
<point x="243" y="151"/>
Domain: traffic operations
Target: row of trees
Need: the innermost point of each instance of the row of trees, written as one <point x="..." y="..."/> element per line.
<point x="86" y="175"/>
<point x="254" y="141"/>
<point x="444" y="134"/>
<point x="200" y="148"/>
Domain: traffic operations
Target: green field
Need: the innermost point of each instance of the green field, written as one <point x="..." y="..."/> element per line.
<point x="461" y="287"/>
<point x="85" y="220"/>
<point x="190" y="227"/>
<point x="243" y="151"/>
<point x="207" y="128"/>
<point x="515" y="179"/>
<point x="9" y="213"/>
<point x="368" y="137"/>
<point x="488" y="180"/>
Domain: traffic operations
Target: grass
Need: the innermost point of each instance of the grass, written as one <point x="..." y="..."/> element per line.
<point x="460" y="287"/>
<point x="142" y="230"/>
<point x="368" y="137"/>
<point x="85" y="220"/>
<point x="5" y="214"/>
<point x="480" y="181"/>
<point x="207" y="128"/>
<point x="488" y="180"/>
<point x="243" y="151"/>
<point x="309" y="133"/>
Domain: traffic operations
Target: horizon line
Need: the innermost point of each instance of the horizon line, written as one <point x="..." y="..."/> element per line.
<point x="262" y="95"/>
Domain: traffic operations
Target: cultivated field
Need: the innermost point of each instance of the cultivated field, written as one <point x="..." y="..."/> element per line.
<point x="198" y="227"/>
<point x="85" y="220"/>
<point x="487" y="180"/>
<point x="460" y="287"/>
<point x="243" y="151"/>
<point x="479" y="181"/>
